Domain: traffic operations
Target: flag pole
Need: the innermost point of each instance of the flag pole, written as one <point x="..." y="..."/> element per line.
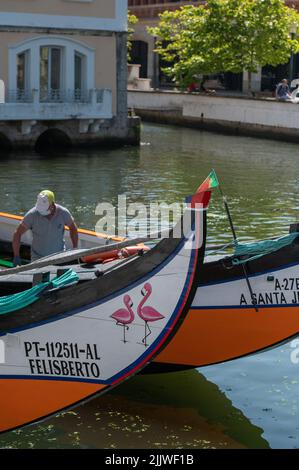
<point x="236" y="242"/>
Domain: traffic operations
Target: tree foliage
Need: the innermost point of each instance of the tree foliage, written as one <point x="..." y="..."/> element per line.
<point x="225" y="35"/>
<point x="132" y="20"/>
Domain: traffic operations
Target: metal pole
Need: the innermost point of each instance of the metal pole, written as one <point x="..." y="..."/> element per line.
<point x="235" y="240"/>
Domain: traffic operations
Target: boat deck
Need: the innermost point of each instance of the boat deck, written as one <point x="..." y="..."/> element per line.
<point x="13" y="283"/>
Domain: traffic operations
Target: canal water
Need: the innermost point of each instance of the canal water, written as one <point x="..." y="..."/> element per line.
<point x="251" y="402"/>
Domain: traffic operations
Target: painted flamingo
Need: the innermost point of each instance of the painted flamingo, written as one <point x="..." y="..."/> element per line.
<point x="148" y="314"/>
<point x="124" y="316"/>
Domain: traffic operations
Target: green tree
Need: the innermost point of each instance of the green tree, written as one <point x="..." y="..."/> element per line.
<point x="225" y="35"/>
<point x="132" y="20"/>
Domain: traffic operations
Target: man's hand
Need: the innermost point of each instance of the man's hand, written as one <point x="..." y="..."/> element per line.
<point x="17" y="261"/>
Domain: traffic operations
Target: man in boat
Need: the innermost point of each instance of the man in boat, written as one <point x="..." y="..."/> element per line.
<point x="46" y="221"/>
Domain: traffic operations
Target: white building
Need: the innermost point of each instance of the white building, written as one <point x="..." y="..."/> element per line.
<point x="62" y="60"/>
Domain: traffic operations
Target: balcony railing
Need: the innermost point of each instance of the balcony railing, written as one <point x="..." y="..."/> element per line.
<point x="65" y="96"/>
<point x="56" y="104"/>
<point x="55" y="96"/>
<point x="19" y="96"/>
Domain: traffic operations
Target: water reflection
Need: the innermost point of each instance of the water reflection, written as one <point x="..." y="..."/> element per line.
<point x="265" y="387"/>
<point x="179" y="411"/>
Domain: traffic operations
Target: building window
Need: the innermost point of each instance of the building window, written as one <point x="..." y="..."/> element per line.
<point x="80" y="68"/>
<point x="50" y="73"/>
<point x="22" y="74"/>
<point x="56" y="67"/>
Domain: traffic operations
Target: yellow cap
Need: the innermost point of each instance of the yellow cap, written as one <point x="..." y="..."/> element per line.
<point x="49" y="194"/>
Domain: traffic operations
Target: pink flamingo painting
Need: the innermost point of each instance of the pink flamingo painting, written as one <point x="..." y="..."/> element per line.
<point x="124" y="316"/>
<point x="148" y="314"/>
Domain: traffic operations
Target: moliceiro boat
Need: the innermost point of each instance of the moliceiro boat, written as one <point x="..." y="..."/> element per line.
<point x="227" y="319"/>
<point x="72" y="332"/>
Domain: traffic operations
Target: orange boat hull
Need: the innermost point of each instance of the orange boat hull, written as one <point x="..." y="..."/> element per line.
<point x="210" y="336"/>
<point x="56" y="395"/>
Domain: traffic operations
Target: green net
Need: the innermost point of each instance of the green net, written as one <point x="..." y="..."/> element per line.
<point x="14" y="302"/>
<point x="252" y="251"/>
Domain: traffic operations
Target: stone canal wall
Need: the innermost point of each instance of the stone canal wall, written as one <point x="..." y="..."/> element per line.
<point x="44" y="135"/>
<point x="265" y="118"/>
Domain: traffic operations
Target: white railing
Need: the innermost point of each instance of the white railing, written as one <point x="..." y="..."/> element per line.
<point x="57" y="104"/>
<point x="55" y="96"/>
<point x="65" y="96"/>
<point x="19" y="96"/>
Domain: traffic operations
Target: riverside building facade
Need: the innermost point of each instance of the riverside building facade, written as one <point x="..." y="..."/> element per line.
<point x="63" y="72"/>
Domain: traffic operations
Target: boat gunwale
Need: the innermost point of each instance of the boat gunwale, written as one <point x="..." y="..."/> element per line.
<point x="99" y="290"/>
<point x="80" y="230"/>
<point x="215" y="272"/>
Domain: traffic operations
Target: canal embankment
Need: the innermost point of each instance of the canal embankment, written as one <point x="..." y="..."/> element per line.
<point x="43" y="134"/>
<point x="237" y="115"/>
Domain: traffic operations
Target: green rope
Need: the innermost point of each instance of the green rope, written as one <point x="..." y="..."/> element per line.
<point x="256" y="250"/>
<point x="11" y="303"/>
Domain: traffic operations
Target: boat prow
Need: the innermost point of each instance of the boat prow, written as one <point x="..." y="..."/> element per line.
<point x="64" y="343"/>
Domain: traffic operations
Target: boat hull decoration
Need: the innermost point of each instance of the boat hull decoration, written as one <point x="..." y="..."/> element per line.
<point x="83" y="339"/>
<point x="230" y="325"/>
<point x="222" y="324"/>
